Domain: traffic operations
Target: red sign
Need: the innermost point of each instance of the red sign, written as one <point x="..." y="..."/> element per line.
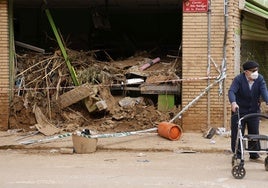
<point x="195" y="5"/>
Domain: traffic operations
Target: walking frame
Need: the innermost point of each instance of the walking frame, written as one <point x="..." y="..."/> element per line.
<point x="238" y="170"/>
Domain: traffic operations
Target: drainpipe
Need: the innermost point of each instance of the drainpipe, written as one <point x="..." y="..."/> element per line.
<point x="223" y="71"/>
<point x="209" y="62"/>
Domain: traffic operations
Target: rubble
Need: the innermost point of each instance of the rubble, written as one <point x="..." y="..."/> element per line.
<point x="42" y="82"/>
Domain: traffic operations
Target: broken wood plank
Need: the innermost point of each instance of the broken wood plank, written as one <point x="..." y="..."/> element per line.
<point x="76" y="94"/>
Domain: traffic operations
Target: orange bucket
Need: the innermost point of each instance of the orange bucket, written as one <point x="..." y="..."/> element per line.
<point x="170" y="131"/>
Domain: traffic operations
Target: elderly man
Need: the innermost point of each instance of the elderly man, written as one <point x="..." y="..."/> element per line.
<point x="245" y="94"/>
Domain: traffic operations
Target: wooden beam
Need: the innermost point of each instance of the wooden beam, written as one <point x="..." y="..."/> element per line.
<point x="76" y="94"/>
<point x="160" y="89"/>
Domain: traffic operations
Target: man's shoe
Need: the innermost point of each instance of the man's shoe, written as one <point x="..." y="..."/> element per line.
<point x="256" y="160"/>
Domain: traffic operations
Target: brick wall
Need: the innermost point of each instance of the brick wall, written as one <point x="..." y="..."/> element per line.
<point x="4" y="66"/>
<point x="211" y="109"/>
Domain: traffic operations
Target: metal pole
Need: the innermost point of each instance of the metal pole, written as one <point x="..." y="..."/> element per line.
<point x="209" y="62"/>
<point x="224" y="62"/>
<point x="196" y="99"/>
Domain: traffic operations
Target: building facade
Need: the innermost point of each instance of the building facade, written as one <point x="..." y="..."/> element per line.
<point x="216" y="38"/>
<point x="205" y="52"/>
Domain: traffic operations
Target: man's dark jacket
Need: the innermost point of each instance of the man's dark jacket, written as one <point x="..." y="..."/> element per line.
<point x="248" y="100"/>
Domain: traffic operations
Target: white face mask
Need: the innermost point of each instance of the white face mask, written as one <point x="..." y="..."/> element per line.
<point x="254" y="75"/>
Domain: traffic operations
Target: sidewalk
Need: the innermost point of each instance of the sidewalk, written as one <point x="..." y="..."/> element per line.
<point x="188" y="142"/>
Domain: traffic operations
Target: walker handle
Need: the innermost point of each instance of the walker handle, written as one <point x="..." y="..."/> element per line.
<point x="237" y="111"/>
<point x="254" y="115"/>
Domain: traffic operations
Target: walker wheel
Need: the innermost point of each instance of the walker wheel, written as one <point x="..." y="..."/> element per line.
<point x="266" y="163"/>
<point x="238" y="172"/>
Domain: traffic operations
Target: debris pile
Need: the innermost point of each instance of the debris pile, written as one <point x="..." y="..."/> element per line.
<point x="112" y="96"/>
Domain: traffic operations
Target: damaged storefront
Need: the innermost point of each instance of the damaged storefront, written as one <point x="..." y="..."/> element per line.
<point x="113" y="66"/>
<point x="105" y="66"/>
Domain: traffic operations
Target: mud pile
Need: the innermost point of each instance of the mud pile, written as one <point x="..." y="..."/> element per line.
<point x="41" y="79"/>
